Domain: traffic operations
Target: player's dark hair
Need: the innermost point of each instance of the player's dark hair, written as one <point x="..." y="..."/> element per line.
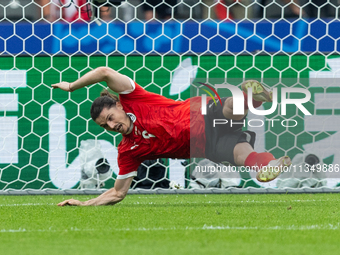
<point x="106" y="100"/>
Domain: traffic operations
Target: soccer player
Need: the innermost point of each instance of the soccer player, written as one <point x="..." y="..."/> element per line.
<point x="157" y="127"/>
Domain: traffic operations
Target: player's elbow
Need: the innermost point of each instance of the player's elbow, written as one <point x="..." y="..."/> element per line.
<point x="120" y="195"/>
<point x="105" y="72"/>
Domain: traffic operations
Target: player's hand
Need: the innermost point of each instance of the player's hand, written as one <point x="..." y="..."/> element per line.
<point x="66" y="86"/>
<point x="70" y="202"/>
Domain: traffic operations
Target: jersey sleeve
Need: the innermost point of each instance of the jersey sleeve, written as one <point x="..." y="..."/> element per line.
<point x="130" y="90"/>
<point x="137" y="95"/>
<point x="127" y="166"/>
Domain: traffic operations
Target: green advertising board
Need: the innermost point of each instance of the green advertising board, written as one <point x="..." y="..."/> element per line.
<point x="42" y="129"/>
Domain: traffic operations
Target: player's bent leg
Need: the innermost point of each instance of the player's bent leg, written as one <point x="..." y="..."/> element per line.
<point x="260" y="94"/>
<point x="267" y="166"/>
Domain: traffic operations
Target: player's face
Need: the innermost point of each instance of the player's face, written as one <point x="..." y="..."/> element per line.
<point x="114" y="119"/>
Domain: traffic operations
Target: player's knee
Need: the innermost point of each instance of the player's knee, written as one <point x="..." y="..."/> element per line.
<point x="228" y="104"/>
<point x="228" y="110"/>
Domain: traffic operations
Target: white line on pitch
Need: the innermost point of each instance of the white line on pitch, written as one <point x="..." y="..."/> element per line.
<point x="192" y="202"/>
<point x="28" y="204"/>
<point x="241" y="201"/>
<point x="205" y="227"/>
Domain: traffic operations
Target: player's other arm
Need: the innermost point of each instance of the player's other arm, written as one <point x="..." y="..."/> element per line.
<point x="114" y="80"/>
<point x="110" y="197"/>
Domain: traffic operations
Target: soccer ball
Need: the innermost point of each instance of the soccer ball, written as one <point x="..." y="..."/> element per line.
<point x="95" y="173"/>
<point x="95" y="169"/>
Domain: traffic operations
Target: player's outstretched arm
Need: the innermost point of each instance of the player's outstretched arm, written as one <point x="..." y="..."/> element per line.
<point x="114" y="80"/>
<point x="110" y="197"/>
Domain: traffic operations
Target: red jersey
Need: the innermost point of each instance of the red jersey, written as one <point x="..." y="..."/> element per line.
<point x="162" y="129"/>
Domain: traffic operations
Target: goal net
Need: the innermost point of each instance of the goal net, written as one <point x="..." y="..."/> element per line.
<point x="48" y="142"/>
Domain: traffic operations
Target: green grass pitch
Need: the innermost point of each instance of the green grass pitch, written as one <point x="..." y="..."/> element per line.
<point x="173" y="224"/>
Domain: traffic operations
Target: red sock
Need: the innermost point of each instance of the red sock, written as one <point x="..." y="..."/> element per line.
<point x="255" y="103"/>
<point x="258" y="159"/>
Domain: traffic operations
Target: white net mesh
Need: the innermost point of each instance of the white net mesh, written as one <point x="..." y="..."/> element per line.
<point x="48" y="140"/>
